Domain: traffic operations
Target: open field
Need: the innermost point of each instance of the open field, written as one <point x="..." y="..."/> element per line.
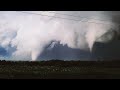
<point x="60" y="70"/>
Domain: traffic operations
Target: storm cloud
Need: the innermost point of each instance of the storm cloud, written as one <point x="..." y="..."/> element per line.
<point x="39" y="35"/>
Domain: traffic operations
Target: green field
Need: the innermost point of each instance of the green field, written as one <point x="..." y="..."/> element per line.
<point x="60" y="70"/>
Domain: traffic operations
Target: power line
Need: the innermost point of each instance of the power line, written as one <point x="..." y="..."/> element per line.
<point x="79" y="16"/>
<point x="72" y="16"/>
<point x="61" y="17"/>
<point x="76" y="16"/>
<point x="48" y="15"/>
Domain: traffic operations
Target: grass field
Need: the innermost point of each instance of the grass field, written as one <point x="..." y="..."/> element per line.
<point x="60" y="70"/>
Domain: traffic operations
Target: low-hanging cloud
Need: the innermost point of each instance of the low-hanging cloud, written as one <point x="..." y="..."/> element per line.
<point x="25" y="36"/>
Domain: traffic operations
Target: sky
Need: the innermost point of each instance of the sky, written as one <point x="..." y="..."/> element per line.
<point x="65" y="35"/>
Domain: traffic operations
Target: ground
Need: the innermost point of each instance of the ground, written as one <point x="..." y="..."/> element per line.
<point x="60" y="70"/>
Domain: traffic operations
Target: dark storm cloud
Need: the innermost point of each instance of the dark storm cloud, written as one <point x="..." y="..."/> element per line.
<point x="110" y="50"/>
<point x="63" y="52"/>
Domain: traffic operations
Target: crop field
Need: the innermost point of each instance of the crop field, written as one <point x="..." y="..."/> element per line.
<point x="60" y="70"/>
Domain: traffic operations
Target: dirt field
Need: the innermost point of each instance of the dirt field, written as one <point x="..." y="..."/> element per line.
<point x="60" y="70"/>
